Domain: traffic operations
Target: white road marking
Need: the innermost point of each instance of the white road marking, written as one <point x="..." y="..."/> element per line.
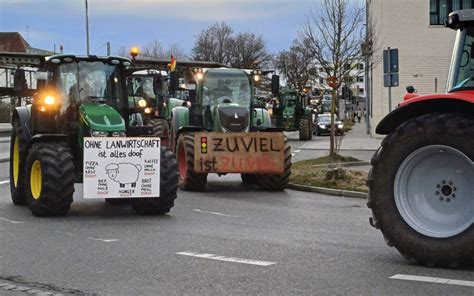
<point x="103" y="239"/>
<point x="215" y="213"/>
<point x="11" y="221"/>
<point x="227" y="259"/>
<point x="296" y="151"/>
<point x="4" y="182"/>
<point x="428" y="279"/>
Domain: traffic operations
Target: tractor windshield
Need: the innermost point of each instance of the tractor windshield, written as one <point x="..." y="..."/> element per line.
<point x="461" y="74"/>
<point x="90" y="82"/>
<point x="226" y="86"/>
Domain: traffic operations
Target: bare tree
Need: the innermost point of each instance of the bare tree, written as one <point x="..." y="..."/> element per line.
<point x="176" y="50"/>
<point x="212" y="44"/>
<point x="295" y="65"/>
<point x="152" y="50"/>
<point x="334" y="33"/>
<point x="247" y="51"/>
<point x="122" y="51"/>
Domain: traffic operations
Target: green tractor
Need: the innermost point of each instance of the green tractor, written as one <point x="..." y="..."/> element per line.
<point x="77" y="98"/>
<point x="158" y="91"/>
<point x="223" y="132"/>
<point x="150" y="89"/>
<point x="292" y="113"/>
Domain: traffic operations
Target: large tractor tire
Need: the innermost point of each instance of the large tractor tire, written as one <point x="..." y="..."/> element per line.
<point x="277" y="182"/>
<point x="420" y="189"/>
<point x="168" y="188"/>
<point x="248" y="179"/>
<point x="305" y="129"/>
<point x="18" y="150"/>
<point x="188" y="178"/>
<point x="160" y="129"/>
<point x="49" y="179"/>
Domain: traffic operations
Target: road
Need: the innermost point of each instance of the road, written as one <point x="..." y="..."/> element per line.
<point x="228" y="240"/>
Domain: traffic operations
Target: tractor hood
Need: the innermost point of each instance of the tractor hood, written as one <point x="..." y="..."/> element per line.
<point x="233" y="117"/>
<point x="101" y="117"/>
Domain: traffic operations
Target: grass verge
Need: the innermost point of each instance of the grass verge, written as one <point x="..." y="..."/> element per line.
<point x="310" y="173"/>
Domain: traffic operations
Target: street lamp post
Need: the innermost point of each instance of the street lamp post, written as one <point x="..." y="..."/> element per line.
<point x="87" y="27"/>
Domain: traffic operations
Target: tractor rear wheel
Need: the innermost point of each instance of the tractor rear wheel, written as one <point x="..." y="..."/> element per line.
<point x="168" y="188"/>
<point x="305" y="130"/>
<point x="17" y="164"/>
<point x="160" y="129"/>
<point x="49" y="179"/>
<point x="248" y="178"/>
<point x="188" y="178"/>
<point x="420" y="189"/>
<point x="277" y="182"/>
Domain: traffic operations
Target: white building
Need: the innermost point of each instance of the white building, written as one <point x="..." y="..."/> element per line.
<point x="424" y="46"/>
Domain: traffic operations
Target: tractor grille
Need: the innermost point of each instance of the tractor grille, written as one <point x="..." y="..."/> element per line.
<point x="234" y="119"/>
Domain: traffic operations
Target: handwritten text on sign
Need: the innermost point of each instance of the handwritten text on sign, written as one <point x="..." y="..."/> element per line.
<point x="254" y="152"/>
<point x="121" y="167"/>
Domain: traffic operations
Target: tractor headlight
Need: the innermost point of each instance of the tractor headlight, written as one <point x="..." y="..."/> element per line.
<point x="142" y="103"/>
<point x="340" y="126"/>
<point x="148" y="110"/>
<point x="118" y="134"/>
<point x="49" y="100"/>
<point x="99" y="134"/>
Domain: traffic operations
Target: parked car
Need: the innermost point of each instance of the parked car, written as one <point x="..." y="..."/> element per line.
<point x="322" y="125"/>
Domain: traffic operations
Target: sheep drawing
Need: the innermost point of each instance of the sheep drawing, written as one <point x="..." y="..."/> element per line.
<point x="124" y="173"/>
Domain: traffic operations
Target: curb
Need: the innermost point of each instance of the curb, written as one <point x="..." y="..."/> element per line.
<point x="329" y="191"/>
<point x="342" y="164"/>
<point x="4" y="160"/>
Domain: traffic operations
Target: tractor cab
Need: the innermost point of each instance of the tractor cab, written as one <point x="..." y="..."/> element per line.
<point x="461" y="74"/>
<point x="225" y="96"/>
<point x="84" y="95"/>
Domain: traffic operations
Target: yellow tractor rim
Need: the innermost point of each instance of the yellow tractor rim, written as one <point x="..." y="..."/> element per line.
<point x="16" y="161"/>
<point x="36" y="179"/>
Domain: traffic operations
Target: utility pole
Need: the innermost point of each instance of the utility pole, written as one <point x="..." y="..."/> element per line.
<point x="108" y="48"/>
<point x="87" y="27"/>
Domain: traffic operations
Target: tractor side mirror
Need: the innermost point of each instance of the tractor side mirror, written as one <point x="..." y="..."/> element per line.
<point x="19" y="80"/>
<point x="157" y="84"/>
<point x="174" y="81"/>
<point x="41" y="79"/>
<point x="275" y="84"/>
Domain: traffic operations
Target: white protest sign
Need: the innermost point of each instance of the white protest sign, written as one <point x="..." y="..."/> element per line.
<point x="121" y="167"/>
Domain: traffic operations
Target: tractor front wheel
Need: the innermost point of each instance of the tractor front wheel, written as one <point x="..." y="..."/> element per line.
<point x="160" y="129"/>
<point x="49" y="179"/>
<point x="277" y="182"/>
<point x="420" y="189"/>
<point x="168" y="188"/>
<point x="305" y="129"/>
<point x="188" y="178"/>
<point x="17" y="164"/>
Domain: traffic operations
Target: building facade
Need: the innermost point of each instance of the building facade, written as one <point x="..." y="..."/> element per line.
<point x="415" y="28"/>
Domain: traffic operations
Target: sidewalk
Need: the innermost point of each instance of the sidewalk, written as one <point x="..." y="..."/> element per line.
<point x="356" y="139"/>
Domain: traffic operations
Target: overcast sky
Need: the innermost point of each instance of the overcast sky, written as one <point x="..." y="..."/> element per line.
<point x="137" y="22"/>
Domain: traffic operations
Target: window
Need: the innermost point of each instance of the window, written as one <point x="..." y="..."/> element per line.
<point x="360" y="78"/>
<point x="361" y="91"/>
<point x="439" y="9"/>
<point x="360" y="66"/>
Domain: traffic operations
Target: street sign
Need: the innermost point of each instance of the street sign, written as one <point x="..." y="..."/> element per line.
<point x="390" y="60"/>
<point x="390" y="80"/>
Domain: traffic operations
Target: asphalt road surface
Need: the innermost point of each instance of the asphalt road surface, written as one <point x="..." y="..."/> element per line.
<point x="228" y="240"/>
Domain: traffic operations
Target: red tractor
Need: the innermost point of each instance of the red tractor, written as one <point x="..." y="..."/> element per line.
<point x="421" y="185"/>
